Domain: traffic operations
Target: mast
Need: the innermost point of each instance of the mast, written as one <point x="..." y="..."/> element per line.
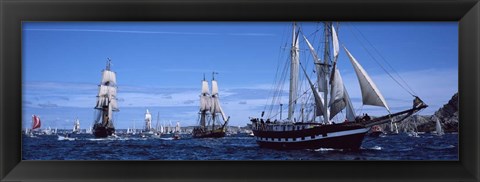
<point x="326" y="71"/>
<point x="293" y="74"/>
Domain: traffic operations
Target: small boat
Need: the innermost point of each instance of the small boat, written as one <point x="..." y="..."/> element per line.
<point x="210" y="109"/>
<point x="65" y="138"/>
<point x="176" y="136"/>
<point x="76" y="126"/>
<point x="438" y="128"/>
<point x="36" y="124"/>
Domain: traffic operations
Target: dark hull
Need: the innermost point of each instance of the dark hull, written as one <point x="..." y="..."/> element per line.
<point x="375" y="134"/>
<point x="102" y="131"/>
<point x="337" y="136"/>
<point x="208" y="134"/>
<point x="350" y="142"/>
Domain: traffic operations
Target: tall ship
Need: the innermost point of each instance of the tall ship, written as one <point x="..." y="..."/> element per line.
<point x="210" y="125"/>
<point x="76" y="126"/>
<point x="148" y="130"/>
<point x="106" y="104"/>
<point x="321" y="114"/>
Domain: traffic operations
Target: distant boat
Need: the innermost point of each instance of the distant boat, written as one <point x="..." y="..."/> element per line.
<point x="148" y="124"/>
<point x="177" y="131"/>
<point x="438" y="128"/>
<point x="210" y="125"/>
<point x="66" y="137"/>
<point x="76" y="126"/>
<point x="106" y="104"/>
<point x="36" y="123"/>
<point x="304" y="131"/>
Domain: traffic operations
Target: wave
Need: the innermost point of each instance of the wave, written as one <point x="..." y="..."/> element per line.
<point x="440" y="147"/>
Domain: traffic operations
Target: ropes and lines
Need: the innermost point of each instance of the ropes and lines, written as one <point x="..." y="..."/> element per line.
<point x="404" y="86"/>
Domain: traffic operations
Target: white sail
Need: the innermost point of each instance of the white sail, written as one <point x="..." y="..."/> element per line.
<point x="113" y="103"/>
<point x="318" y="100"/>
<point x="204" y="97"/>
<point x="370" y="93"/>
<point x="337" y="94"/>
<point x="177" y="127"/>
<point x="110" y="114"/>
<point x="215" y="102"/>
<point x="109" y="78"/>
<point x="318" y="66"/>
<point x="293" y="74"/>
<point x="205" y="89"/>
<point x="350" y="110"/>
<point x="102" y="90"/>
<point x="214" y="87"/>
<point x="148" y="116"/>
<point x="438" y="127"/>
<point x="148" y="121"/>
<point x="336" y="47"/>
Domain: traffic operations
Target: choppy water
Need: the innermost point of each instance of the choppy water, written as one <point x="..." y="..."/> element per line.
<point x="239" y="147"/>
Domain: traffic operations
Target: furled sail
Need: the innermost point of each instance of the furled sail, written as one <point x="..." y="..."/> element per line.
<point x="337" y="94"/>
<point x="293" y="74"/>
<point x="318" y="67"/>
<point x="318" y="100"/>
<point x="370" y="93"/>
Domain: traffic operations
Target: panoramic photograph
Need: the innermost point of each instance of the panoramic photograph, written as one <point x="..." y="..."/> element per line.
<point x="341" y="91"/>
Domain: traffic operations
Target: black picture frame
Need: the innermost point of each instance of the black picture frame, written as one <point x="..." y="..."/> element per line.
<point x="13" y="12"/>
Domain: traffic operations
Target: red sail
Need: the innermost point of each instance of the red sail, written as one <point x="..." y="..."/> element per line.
<point x="35" y="122"/>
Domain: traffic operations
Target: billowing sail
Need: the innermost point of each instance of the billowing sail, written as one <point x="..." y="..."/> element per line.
<point x="336" y="48"/>
<point x="337" y="94"/>
<point x="318" y="100"/>
<point x="109" y="78"/>
<point x="205" y="97"/>
<point x="215" y="104"/>
<point x="36" y="122"/>
<point x="350" y="110"/>
<point x="214" y="87"/>
<point x="205" y="89"/>
<point x="370" y="93"/>
<point x="318" y="67"/>
<point x="293" y="74"/>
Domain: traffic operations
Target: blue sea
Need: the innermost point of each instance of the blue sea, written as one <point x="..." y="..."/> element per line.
<point x="234" y="147"/>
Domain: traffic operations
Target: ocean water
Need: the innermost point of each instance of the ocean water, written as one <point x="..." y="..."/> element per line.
<point x="236" y="147"/>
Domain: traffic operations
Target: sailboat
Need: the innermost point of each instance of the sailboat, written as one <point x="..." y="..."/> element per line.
<point x="177" y="131"/>
<point x="438" y="128"/>
<point x="210" y="109"/>
<point x="106" y="104"/>
<point x="76" y="126"/>
<point x="148" y="124"/>
<point x="303" y="132"/>
<point x="36" y="123"/>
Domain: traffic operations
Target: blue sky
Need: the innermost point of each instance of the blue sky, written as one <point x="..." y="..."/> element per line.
<point x="160" y="66"/>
